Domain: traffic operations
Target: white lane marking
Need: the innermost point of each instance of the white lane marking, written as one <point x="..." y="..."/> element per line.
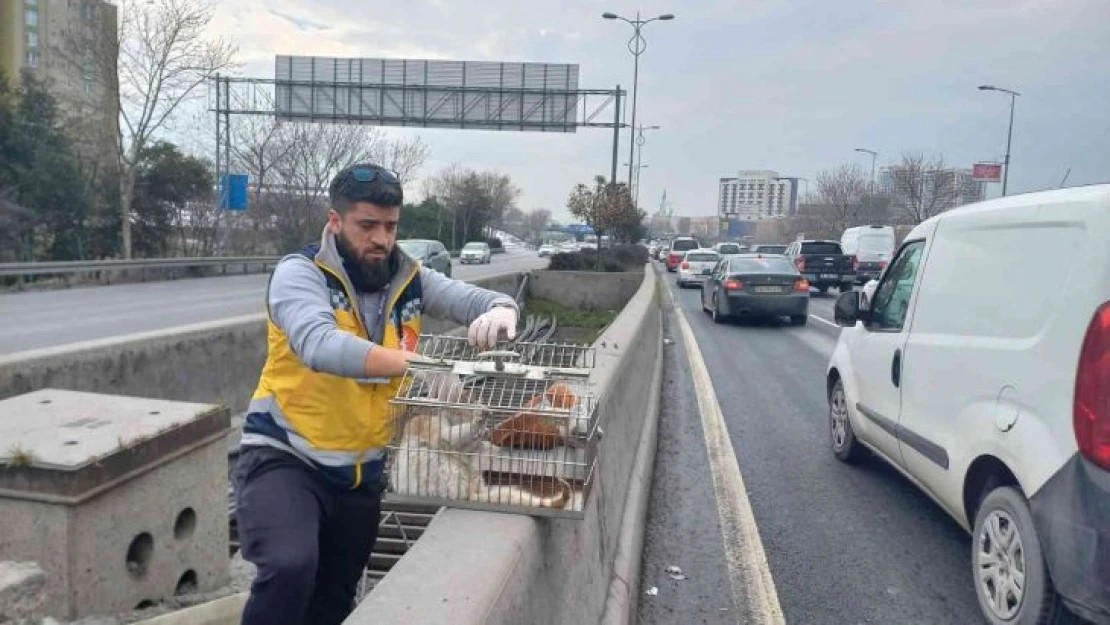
<point x="824" y="321"/>
<point x="753" y="589"/>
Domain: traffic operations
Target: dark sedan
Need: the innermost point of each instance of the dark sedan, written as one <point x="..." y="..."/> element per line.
<point x="756" y="285"/>
<point x="429" y="253"/>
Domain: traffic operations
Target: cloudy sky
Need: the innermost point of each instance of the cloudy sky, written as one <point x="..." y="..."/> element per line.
<point x="788" y="85"/>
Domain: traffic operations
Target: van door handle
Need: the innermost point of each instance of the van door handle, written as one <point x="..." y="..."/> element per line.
<point x="896" y="368"/>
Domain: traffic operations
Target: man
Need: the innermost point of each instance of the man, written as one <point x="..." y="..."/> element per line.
<point x="344" y="318"/>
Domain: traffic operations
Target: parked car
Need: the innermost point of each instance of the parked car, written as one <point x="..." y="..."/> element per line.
<point x="477" y="252"/>
<point x="750" y="285"/>
<point x="728" y="248"/>
<point x="994" y="397"/>
<point x="870" y="248"/>
<point x="546" y="250"/>
<point x="823" y="263"/>
<point x="429" y="253"/>
<point x="681" y="244"/>
<point x="696" y="266"/>
<point x="768" y="249"/>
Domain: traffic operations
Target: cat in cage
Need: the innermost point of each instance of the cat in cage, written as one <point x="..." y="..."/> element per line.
<point x="436" y="455"/>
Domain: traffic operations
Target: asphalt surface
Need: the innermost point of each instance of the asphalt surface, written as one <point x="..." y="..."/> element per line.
<point x="846" y="544"/>
<point x="34" y="320"/>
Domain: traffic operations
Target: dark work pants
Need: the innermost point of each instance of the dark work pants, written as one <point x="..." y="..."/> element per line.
<point x="310" y="541"/>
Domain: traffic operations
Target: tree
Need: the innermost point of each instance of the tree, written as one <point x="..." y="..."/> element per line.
<point x="536" y="223"/>
<point x="842" y="193"/>
<point x="43" y="203"/>
<point x="924" y="187"/>
<point x="607" y="209"/>
<point x="163" y="58"/>
<point x="473" y="201"/>
<point x="172" y="207"/>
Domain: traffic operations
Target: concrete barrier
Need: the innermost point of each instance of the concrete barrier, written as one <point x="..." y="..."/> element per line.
<point x="216" y="362"/>
<point x="586" y="289"/>
<point x="478" y="567"/>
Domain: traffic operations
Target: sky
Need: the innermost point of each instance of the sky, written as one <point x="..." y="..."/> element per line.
<point x="792" y="86"/>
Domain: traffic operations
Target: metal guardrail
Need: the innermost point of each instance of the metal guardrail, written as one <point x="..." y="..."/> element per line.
<point x="95" y="266"/>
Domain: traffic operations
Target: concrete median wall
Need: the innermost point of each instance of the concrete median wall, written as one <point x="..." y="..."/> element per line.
<point x="479" y="567"/>
<point x="216" y="362"/>
<point x="586" y="289"/>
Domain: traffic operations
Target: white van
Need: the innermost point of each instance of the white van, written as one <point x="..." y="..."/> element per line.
<point x="981" y="370"/>
<point x="871" y="247"/>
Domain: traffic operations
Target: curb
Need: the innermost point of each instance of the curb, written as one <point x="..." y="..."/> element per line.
<point x="624" y="583"/>
<point x="224" y="611"/>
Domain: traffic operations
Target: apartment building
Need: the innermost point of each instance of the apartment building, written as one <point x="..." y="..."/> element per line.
<point x="756" y="194"/>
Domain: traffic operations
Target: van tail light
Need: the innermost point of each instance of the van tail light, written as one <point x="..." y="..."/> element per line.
<point x="800" y="263"/>
<point x="882" y="264"/>
<point x="733" y="285"/>
<point x="802" y="285"/>
<point x="855" y="263"/>
<point x="1091" y="412"/>
<point x="685" y="265"/>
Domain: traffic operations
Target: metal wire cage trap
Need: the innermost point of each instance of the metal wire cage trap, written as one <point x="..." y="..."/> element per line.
<point x="513" y="429"/>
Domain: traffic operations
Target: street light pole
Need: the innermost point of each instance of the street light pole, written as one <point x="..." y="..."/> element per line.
<point x="871" y="190"/>
<point x="639" y="159"/>
<point x="1009" y="132"/>
<point x="636" y="45"/>
<point x="636" y="188"/>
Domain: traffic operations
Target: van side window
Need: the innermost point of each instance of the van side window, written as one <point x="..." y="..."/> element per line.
<point x="892" y="298"/>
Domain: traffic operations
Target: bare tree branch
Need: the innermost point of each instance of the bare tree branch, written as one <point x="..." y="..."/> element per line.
<point x="163" y="57"/>
<point x="924" y="187"/>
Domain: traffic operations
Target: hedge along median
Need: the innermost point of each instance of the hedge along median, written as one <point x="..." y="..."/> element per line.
<point x="480" y="567"/>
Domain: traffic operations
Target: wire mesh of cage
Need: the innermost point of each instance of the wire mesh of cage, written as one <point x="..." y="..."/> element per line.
<point x="512" y="429"/>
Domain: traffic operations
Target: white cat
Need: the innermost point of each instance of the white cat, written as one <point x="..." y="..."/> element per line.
<point x="437" y="458"/>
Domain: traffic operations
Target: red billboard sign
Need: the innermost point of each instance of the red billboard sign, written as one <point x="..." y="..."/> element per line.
<point x="986" y="172"/>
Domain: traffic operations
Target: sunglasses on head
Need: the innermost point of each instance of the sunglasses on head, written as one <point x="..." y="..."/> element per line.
<point x="369" y="174"/>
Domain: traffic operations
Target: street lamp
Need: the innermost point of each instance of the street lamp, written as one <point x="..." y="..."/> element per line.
<point x="1009" y="133"/>
<point x="639" y="159"/>
<point x="871" y="191"/>
<point x="636" y="45"/>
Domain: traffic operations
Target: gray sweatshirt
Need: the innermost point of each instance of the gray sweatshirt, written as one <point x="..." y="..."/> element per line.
<point x="299" y="303"/>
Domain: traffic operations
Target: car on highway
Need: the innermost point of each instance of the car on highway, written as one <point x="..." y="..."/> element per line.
<point x="768" y="249"/>
<point x="678" y="247"/>
<point x="664" y="251"/>
<point x="430" y="253"/>
<point x="753" y="285"/>
<point x="823" y="263"/>
<point x="696" y="266"/>
<point x="546" y="250"/>
<point x="870" y="248"/>
<point x="476" y="252"/>
<point x="728" y="247"/>
<point x="982" y="373"/>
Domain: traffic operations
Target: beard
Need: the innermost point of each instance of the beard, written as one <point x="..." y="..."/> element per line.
<point x="367" y="274"/>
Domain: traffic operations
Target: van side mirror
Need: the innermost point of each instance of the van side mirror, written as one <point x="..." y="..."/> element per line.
<point x="847" y="310"/>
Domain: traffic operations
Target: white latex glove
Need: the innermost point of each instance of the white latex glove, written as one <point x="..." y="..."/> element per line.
<point x="486" y="329"/>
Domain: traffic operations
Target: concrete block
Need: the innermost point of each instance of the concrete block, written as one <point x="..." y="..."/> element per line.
<point x="121" y="500"/>
<point x="22" y="591"/>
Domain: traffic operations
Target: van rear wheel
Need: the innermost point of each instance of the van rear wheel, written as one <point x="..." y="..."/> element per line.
<point x="1008" y="566"/>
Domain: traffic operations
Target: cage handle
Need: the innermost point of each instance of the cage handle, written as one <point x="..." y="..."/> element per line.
<point x="499" y="356"/>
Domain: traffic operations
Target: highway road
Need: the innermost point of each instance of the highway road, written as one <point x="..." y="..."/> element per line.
<point x="34" y="320"/>
<point x="844" y="544"/>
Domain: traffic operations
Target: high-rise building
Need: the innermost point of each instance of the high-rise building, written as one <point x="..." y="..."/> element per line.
<point x="753" y="195"/>
<point x="67" y="44"/>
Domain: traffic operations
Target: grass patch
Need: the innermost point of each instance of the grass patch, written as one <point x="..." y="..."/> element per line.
<point x="592" y="321"/>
